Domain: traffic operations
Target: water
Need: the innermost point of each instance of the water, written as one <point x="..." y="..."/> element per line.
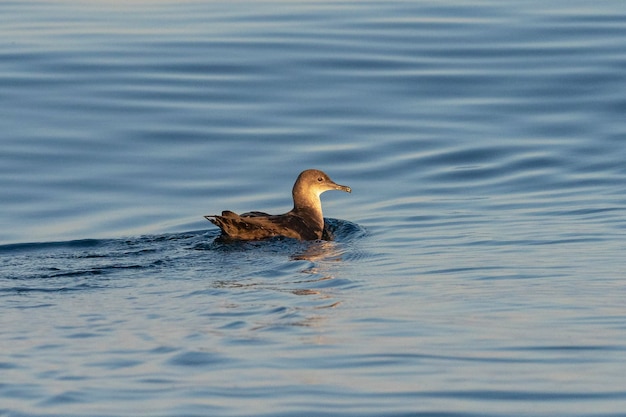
<point x="477" y="268"/>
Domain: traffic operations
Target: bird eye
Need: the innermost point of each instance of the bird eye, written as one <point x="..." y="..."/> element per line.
<point x="320" y="179"/>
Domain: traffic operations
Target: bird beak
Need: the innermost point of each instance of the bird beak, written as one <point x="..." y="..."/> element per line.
<point x="343" y="188"/>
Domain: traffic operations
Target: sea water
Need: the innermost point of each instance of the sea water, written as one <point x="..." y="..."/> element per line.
<point x="478" y="267"/>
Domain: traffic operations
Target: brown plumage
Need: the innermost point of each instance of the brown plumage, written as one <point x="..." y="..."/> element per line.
<point x="305" y="221"/>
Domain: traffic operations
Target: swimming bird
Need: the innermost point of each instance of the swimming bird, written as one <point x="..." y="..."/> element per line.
<point x="305" y="221"/>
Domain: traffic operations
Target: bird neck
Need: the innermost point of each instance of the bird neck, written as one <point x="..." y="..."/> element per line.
<point x="308" y="205"/>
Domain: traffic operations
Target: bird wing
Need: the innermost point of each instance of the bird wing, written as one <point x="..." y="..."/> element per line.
<point x="255" y="214"/>
<point x="258" y="225"/>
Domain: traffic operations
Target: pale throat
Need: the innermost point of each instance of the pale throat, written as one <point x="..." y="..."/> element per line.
<point x="312" y="201"/>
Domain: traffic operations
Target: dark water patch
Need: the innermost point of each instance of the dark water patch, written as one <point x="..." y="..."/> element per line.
<point x="27" y="306"/>
<point x="64" y="399"/>
<point x="568" y="348"/>
<point x="586" y="212"/>
<point x="115" y="364"/>
<point x="366" y="413"/>
<point x="501" y="395"/>
<point x="343" y="230"/>
<point x="6" y="365"/>
<point x="160" y="350"/>
<point x="20" y="390"/>
<point x="381" y="361"/>
<point x="34" y="286"/>
<point x="82" y="335"/>
<point x="199" y="360"/>
<point x="73" y="244"/>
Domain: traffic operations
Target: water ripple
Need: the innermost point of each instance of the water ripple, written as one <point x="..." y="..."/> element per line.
<point x="478" y="269"/>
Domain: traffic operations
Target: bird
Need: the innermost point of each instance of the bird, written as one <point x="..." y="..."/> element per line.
<point x="304" y="222"/>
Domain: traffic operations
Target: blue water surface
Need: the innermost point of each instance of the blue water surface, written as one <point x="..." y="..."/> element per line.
<point x="477" y="269"/>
